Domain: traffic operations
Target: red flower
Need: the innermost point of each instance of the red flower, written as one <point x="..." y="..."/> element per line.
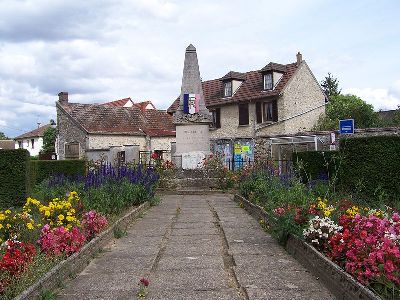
<point x="145" y="282"/>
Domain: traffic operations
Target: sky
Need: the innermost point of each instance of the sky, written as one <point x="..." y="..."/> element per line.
<point x="99" y="51"/>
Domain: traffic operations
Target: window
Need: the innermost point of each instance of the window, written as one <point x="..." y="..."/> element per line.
<point x="216" y="117"/>
<point x="228" y="89"/>
<point x="266" y="111"/>
<point x="121" y="158"/>
<point x="72" y="150"/>
<point x="270" y="111"/>
<point x="33" y="143"/>
<point x="20" y="145"/>
<point x="244" y="114"/>
<point x="268" y="81"/>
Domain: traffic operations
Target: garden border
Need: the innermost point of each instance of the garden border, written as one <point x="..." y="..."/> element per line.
<point x="79" y="260"/>
<point x="341" y="284"/>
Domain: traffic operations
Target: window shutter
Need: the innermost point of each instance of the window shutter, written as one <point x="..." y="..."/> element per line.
<point x="218" y="117"/>
<point x="275" y="111"/>
<point x="258" y="112"/>
<point x="244" y="114"/>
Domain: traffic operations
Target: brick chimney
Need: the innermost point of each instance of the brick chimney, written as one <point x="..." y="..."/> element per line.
<point x="299" y="58"/>
<point x="63" y="97"/>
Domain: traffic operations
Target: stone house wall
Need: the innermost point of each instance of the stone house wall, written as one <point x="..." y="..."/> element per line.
<point x="101" y="141"/>
<point x="68" y="132"/>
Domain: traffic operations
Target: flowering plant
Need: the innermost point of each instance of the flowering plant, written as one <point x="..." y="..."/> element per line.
<point x="93" y="223"/>
<point x="12" y="223"/>
<point x="369" y="249"/>
<point x="319" y="231"/>
<point x="59" y="240"/>
<point x="17" y="257"/>
<point x="143" y="284"/>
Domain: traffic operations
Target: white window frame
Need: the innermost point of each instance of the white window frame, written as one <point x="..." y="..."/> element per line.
<point x="270" y="82"/>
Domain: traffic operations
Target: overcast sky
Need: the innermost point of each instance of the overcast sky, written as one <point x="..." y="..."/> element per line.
<point x="99" y="50"/>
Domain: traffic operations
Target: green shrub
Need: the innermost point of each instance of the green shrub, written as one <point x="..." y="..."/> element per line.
<point x="14" y="171"/>
<point x="43" y="169"/>
<point x="314" y="165"/>
<point x="370" y="167"/>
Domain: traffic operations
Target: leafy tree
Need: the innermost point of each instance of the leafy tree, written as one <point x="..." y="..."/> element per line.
<point x="330" y="85"/>
<point x="49" y="139"/>
<point x="347" y="107"/>
<point x="3" y="136"/>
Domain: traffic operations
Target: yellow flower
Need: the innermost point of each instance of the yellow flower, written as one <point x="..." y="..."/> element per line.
<point x="1" y="226"/>
<point x="47" y="213"/>
<point x="8" y="225"/>
<point x="2" y="217"/>
<point x="29" y="226"/>
<point x="61" y="217"/>
<point x="7" y="212"/>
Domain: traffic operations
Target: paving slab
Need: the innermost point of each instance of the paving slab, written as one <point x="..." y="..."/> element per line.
<point x="195" y="247"/>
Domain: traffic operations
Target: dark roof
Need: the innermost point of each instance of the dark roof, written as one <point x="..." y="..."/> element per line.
<point x="7" y="144"/>
<point x="274" y="67"/>
<point x="251" y="88"/>
<point x="105" y="119"/>
<point x="234" y="75"/>
<point x="38" y="132"/>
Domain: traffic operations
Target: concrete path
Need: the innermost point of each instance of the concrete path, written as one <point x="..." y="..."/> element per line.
<point x="195" y="247"/>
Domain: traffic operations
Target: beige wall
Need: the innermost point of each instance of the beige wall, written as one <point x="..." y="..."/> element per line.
<point x="235" y="85"/>
<point x="230" y="123"/>
<point x="302" y="102"/>
<point x="276" y="77"/>
<point x="162" y="143"/>
<point x="98" y="141"/>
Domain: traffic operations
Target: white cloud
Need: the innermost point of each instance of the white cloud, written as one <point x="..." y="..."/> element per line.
<point x="381" y="99"/>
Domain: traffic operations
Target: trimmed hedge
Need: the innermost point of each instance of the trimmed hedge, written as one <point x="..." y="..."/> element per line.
<point x="313" y="165"/>
<point x="371" y="166"/>
<point x="43" y="169"/>
<point x="14" y="171"/>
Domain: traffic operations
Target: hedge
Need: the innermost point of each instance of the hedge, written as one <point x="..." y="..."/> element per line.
<point x="14" y="171"/>
<point x="42" y="169"/>
<point x="313" y="165"/>
<point x="371" y="166"/>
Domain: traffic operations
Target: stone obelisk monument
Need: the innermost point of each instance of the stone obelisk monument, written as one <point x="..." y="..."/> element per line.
<point x="192" y="118"/>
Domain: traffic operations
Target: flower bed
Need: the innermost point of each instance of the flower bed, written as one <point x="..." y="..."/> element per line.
<point x="51" y="230"/>
<point x="363" y="241"/>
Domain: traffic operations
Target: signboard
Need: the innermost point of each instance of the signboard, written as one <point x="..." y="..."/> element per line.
<point x="346" y="126"/>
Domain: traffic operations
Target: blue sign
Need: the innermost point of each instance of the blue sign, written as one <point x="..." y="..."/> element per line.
<point x="346" y="126"/>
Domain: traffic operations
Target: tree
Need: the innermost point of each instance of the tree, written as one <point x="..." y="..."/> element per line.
<point x="49" y="139"/>
<point x="3" y="136"/>
<point x="347" y="107"/>
<point x="330" y="85"/>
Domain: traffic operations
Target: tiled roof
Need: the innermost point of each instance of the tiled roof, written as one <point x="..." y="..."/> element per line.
<point x="274" y="67"/>
<point x="250" y="89"/>
<point x="38" y="132"/>
<point x="118" y="103"/>
<point x="104" y="119"/>
<point x="234" y="75"/>
<point x="159" y="123"/>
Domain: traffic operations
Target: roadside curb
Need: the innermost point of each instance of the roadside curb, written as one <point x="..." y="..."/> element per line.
<point x="79" y="260"/>
<point x="340" y="284"/>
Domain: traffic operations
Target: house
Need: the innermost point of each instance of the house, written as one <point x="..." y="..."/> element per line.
<point x="278" y="99"/>
<point x="32" y="140"/>
<point x="119" y="129"/>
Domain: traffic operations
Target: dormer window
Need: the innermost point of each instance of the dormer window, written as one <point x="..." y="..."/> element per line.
<point x="228" y="89"/>
<point x="268" y="82"/>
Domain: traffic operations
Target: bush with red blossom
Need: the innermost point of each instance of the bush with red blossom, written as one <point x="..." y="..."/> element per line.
<point x="93" y="223"/>
<point x="15" y="261"/>
<point x="60" y="241"/>
<point x="368" y="248"/>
